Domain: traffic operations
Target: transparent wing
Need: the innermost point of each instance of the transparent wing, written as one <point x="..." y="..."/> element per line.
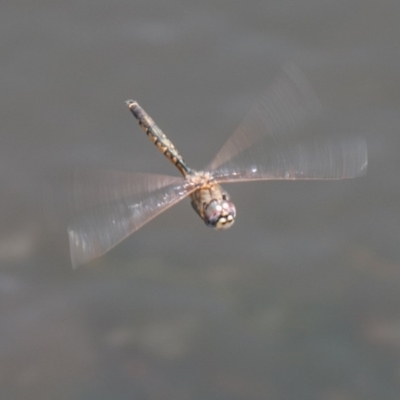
<point x="289" y="102"/>
<point x="290" y="159"/>
<point x="108" y="206"/>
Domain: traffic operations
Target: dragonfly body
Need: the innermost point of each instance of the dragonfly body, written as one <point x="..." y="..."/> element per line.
<point x="209" y="201"/>
<point x="108" y="206"/>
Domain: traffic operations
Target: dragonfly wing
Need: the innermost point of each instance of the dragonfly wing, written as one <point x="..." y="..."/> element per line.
<point x="288" y="102"/>
<point x="293" y="159"/>
<point x="108" y="206"/>
<point x="92" y="186"/>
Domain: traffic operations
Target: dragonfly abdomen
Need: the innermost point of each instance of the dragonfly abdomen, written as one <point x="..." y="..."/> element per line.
<point x="158" y="137"/>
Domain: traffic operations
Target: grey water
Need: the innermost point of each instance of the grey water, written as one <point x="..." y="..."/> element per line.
<point x="299" y="300"/>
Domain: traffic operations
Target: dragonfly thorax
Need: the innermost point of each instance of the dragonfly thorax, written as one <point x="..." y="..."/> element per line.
<point x="213" y="206"/>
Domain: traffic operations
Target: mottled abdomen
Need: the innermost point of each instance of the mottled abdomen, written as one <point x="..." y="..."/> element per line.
<point x="158" y="137"/>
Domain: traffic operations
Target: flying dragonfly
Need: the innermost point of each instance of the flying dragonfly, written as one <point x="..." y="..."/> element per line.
<point x="110" y="205"/>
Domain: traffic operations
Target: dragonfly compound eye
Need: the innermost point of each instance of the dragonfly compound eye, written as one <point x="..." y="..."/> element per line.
<point x="220" y="215"/>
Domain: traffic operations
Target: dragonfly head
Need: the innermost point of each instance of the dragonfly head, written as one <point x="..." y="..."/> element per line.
<point x="220" y="214"/>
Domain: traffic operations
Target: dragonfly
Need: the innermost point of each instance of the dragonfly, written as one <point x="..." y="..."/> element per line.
<point x="110" y="205"/>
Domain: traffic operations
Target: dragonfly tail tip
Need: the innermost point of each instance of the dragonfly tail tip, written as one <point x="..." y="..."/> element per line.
<point x="129" y="102"/>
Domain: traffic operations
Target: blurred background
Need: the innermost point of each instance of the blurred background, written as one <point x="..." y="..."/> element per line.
<point x="299" y="300"/>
